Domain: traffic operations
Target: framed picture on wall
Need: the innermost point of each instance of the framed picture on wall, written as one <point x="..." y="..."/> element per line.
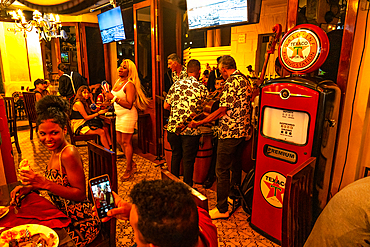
<point x="65" y="56"/>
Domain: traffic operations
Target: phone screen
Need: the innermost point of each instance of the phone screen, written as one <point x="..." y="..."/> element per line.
<point x="102" y="195"/>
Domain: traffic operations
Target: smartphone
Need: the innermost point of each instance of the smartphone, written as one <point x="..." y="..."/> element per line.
<point x="102" y="195"/>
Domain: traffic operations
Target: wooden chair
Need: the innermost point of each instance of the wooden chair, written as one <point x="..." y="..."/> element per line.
<point x="11" y="115"/>
<point x="78" y="138"/>
<point x="103" y="161"/>
<point x="199" y="198"/>
<point x="297" y="205"/>
<point x="30" y="105"/>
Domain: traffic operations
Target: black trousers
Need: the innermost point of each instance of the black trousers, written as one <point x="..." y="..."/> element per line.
<point x="229" y="153"/>
<point x="183" y="148"/>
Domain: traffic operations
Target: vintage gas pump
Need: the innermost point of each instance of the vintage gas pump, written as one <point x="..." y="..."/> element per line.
<point x="296" y="121"/>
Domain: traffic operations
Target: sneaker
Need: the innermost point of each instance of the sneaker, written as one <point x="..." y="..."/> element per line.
<point x="215" y="214"/>
<point x="209" y="182"/>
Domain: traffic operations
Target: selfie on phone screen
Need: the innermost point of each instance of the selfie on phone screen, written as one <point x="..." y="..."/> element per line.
<point x="102" y="193"/>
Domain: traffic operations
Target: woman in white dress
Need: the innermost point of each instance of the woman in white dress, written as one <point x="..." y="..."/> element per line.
<point x="128" y="97"/>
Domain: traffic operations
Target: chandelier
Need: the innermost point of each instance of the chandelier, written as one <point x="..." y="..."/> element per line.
<point x="48" y="26"/>
<point x="5" y="3"/>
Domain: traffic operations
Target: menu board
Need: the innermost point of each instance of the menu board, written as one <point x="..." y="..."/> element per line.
<point x="285" y="125"/>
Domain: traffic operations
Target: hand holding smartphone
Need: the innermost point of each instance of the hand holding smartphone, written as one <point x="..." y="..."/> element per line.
<point x="102" y="195"/>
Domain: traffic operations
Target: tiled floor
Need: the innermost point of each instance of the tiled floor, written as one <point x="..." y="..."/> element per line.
<point x="235" y="231"/>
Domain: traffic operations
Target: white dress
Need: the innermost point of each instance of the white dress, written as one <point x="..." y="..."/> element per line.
<point x="125" y="118"/>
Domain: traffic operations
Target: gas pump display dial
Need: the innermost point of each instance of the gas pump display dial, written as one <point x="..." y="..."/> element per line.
<point x="285" y="125"/>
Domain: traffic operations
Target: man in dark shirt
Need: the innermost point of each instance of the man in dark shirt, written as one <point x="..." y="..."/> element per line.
<point x="40" y="88"/>
<point x="212" y="77"/>
<point x="66" y="88"/>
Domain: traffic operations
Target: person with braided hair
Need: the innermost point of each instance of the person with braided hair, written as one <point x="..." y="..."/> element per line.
<point x="64" y="179"/>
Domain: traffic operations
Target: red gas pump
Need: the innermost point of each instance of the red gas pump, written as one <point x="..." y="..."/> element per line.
<point x="295" y="123"/>
<point x="6" y="146"/>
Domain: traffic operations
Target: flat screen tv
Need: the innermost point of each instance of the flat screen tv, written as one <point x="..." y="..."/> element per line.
<point x="216" y="13"/>
<point x="111" y="25"/>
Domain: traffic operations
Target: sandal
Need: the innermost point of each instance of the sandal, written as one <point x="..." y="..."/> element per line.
<point x="127" y="175"/>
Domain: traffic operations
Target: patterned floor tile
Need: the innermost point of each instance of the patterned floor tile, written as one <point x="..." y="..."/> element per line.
<point x="235" y="231"/>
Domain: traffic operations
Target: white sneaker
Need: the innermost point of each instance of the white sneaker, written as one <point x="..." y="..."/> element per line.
<point x="215" y="214"/>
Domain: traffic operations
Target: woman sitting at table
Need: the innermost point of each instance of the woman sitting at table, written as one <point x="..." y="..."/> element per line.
<point x="40" y="88"/>
<point x="84" y="121"/>
<point x="128" y="97"/>
<point x="64" y="179"/>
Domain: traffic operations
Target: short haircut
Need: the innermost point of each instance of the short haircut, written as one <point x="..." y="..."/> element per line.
<point x="174" y="57"/>
<point x="228" y="62"/>
<point x="167" y="213"/>
<point x="193" y="66"/>
<point x="39" y="81"/>
<point x="63" y="67"/>
<point x="53" y="107"/>
<point x="218" y="59"/>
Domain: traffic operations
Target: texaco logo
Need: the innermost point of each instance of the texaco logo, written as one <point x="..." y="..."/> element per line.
<point x="273" y="188"/>
<point x="300" y="49"/>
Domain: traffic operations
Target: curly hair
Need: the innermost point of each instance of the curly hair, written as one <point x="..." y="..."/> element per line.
<point x="167" y="213"/>
<point x="79" y="97"/>
<point x="52" y="107"/>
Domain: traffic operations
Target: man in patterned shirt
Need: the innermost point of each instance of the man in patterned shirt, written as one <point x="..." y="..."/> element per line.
<point x="178" y="71"/>
<point x="182" y="99"/>
<point x="234" y="116"/>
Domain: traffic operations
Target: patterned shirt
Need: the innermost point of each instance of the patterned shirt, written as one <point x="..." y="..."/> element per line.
<point x="184" y="97"/>
<point x="236" y="96"/>
<point x="183" y="74"/>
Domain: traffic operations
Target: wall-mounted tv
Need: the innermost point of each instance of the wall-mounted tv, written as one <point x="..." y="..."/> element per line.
<point x="111" y="25"/>
<point x="216" y="13"/>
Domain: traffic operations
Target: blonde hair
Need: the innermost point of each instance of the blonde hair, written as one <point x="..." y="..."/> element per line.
<point x="141" y="101"/>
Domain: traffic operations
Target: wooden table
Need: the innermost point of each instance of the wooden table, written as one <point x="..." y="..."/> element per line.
<point x="143" y="130"/>
<point x="64" y="239"/>
<point x="111" y="120"/>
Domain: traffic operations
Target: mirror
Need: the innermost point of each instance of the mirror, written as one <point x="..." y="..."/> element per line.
<point x="144" y="51"/>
